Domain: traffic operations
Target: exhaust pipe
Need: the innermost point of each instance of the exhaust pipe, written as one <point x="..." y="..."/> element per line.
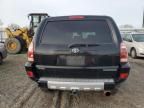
<point x="107" y="93"/>
<point x="74" y="92"/>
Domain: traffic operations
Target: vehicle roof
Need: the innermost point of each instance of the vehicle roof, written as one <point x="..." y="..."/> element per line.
<point x="37" y="14"/>
<point x="85" y="17"/>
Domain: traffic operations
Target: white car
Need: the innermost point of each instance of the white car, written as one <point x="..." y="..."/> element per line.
<point x="134" y="43"/>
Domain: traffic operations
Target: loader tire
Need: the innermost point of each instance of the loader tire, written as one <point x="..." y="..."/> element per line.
<point x="23" y="43"/>
<point x="13" y="45"/>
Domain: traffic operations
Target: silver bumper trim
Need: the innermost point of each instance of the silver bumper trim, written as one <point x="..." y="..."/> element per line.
<point x="76" y="84"/>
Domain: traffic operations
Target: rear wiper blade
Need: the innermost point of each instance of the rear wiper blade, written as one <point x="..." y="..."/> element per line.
<point x="93" y="45"/>
<point x="77" y="45"/>
<point x="82" y="45"/>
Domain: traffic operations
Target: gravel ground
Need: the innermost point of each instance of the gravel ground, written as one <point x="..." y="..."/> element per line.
<point x="17" y="91"/>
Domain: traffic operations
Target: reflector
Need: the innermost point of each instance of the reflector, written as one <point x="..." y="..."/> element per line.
<point x="30" y="74"/>
<point x="123" y="75"/>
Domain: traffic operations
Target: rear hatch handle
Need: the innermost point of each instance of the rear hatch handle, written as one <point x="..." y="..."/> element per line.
<point x="82" y="45"/>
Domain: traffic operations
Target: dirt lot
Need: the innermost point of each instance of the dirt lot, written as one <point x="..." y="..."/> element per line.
<point x="17" y="91"/>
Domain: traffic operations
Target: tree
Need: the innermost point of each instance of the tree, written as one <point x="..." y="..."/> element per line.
<point x="13" y="26"/>
<point x="1" y="23"/>
<point x="126" y="26"/>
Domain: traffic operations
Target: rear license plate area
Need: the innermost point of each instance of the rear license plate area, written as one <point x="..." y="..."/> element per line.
<point x="75" y="60"/>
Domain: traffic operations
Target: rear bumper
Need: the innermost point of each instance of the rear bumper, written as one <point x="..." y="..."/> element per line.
<point x="77" y="84"/>
<point x="96" y="82"/>
<point x="140" y="54"/>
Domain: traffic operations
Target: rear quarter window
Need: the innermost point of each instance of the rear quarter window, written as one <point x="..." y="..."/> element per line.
<point x="85" y="31"/>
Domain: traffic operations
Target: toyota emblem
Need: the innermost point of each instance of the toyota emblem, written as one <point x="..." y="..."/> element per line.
<point x="75" y="50"/>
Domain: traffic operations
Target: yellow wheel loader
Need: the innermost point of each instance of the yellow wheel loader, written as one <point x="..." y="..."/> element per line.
<point x="20" y="38"/>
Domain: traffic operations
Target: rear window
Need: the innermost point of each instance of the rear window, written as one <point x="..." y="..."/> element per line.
<point x="86" y="32"/>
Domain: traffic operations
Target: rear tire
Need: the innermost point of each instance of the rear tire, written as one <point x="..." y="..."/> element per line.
<point x="133" y="53"/>
<point x="1" y="59"/>
<point x="13" y="45"/>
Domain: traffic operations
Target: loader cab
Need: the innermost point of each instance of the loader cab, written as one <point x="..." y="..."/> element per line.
<point x="35" y="19"/>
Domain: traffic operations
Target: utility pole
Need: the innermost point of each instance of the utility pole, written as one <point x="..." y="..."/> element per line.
<point x="143" y="20"/>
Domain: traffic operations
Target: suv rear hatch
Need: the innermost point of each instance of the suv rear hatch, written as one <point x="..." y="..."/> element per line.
<point x="77" y="49"/>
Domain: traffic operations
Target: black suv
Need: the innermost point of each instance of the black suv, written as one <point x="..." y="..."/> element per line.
<point x="78" y="53"/>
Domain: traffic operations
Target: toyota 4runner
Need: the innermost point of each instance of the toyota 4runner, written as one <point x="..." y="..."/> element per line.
<point x="78" y="53"/>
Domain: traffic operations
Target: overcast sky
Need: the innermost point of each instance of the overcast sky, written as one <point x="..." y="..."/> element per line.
<point x="123" y="11"/>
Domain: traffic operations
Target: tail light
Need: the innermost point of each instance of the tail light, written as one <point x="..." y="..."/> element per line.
<point x="123" y="53"/>
<point x="123" y="75"/>
<point x="76" y="17"/>
<point x="30" y="74"/>
<point x="31" y="52"/>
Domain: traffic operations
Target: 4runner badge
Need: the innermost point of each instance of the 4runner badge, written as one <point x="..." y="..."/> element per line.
<point x="75" y="50"/>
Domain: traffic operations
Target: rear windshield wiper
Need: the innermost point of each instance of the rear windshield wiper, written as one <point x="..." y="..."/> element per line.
<point x="93" y="45"/>
<point x="76" y="45"/>
<point x="82" y="45"/>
